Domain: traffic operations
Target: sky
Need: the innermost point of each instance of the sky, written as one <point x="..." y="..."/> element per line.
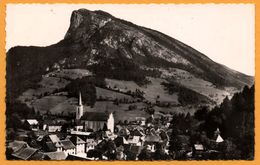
<point x="224" y="33"/>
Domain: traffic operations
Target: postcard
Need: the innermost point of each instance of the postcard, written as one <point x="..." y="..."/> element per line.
<point x="129" y="82"/>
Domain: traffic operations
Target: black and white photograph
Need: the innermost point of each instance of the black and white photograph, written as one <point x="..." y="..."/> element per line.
<point x="130" y="82"/>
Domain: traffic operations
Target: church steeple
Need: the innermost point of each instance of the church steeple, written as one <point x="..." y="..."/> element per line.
<point x="79" y="111"/>
<point x="219" y="139"/>
<point x="80" y="101"/>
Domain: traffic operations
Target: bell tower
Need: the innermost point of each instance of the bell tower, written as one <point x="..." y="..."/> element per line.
<point x="111" y="122"/>
<point x="79" y="110"/>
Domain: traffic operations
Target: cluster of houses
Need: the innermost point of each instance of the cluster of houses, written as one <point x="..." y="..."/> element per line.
<point x="77" y="144"/>
<point x="92" y="136"/>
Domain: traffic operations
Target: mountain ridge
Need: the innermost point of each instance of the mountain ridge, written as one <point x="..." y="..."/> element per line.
<point x="111" y="47"/>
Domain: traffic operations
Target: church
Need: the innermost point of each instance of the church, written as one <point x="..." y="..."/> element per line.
<point x="94" y="120"/>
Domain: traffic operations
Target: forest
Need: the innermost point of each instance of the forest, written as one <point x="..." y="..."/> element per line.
<point x="235" y="120"/>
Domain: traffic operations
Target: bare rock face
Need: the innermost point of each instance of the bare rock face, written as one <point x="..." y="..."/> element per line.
<point x="84" y="23"/>
<point x="110" y="32"/>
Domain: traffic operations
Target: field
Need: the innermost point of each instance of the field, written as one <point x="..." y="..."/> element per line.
<point x="49" y="83"/>
<point x="45" y="98"/>
<point x="101" y="92"/>
<point x="121" y="111"/>
<point x="198" y="85"/>
<point x="151" y="90"/>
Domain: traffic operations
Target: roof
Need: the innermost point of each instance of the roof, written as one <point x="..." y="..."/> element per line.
<point x="95" y="116"/>
<point x="152" y="138"/>
<point x="219" y="139"/>
<point x="56" y="155"/>
<point x="198" y="147"/>
<point x="32" y="121"/>
<point x="91" y="142"/>
<point x="68" y="137"/>
<point x="67" y="144"/>
<point x="17" y="145"/>
<point x="24" y="153"/>
<point x="76" y="140"/>
<point x="134" y="139"/>
<point x="39" y="156"/>
<point x="50" y="146"/>
<point x="40" y="138"/>
<point x="137" y="132"/>
<point x="40" y="133"/>
<point x="54" y="138"/>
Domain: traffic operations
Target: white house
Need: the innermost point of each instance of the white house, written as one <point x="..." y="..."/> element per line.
<point x="135" y="140"/>
<point x="32" y="124"/>
<point x="79" y="144"/>
<point x="219" y="139"/>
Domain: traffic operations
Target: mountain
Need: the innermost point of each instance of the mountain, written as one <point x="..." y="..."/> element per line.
<point x="121" y="51"/>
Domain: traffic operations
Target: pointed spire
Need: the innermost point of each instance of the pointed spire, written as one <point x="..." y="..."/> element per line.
<point x="80" y="101"/>
<point x="217" y="132"/>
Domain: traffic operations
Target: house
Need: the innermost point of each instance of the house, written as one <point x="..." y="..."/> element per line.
<point x="79" y="144"/>
<point x="24" y="153"/>
<point x="141" y="120"/>
<point x="79" y="133"/>
<point x="151" y="141"/>
<point x="68" y="147"/>
<point x="120" y="155"/>
<point x="90" y="144"/>
<point x="56" y="155"/>
<point x="52" y="127"/>
<point x="79" y="127"/>
<point x="218" y="137"/>
<point x="152" y="138"/>
<point x="94" y="120"/>
<point x="56" y="141"/>
<point x="198" y="150"/>
<point x="135" y="140"/>
<point x="31" y="124"/>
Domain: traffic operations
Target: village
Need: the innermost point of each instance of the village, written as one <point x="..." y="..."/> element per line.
<point x="96" y="136"/>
